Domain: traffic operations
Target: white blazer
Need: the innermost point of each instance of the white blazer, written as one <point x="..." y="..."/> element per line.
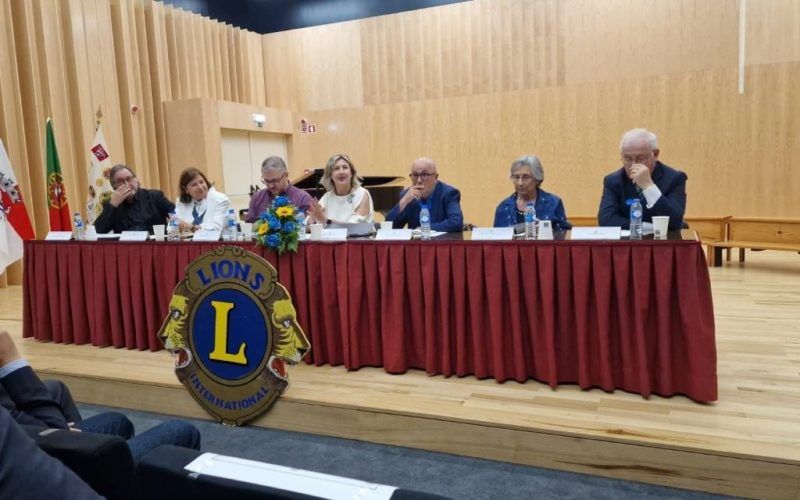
<point x="215" y="206"/>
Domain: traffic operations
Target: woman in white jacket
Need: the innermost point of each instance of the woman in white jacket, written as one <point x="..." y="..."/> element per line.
<point x="200" y="206"/>
<point x="344" y="201"/>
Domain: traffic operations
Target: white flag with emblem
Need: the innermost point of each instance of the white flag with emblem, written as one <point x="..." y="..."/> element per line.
<point x="99" y="185"/>
<point x="15" y="226"/>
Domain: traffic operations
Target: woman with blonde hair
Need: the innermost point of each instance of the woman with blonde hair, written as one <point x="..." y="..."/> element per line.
<point x="345" y="201"/>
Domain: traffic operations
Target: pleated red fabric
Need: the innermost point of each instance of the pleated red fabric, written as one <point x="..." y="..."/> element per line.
<point x="636" y="316"/>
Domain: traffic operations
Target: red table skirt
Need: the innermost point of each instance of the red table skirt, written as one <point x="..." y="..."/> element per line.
<point x="636" y="316"/>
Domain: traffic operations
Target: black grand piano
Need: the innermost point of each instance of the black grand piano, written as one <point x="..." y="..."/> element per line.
<point x="385" y="190"/>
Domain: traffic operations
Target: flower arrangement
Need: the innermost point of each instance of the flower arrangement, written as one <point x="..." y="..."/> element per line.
<point x="277" y="227"/>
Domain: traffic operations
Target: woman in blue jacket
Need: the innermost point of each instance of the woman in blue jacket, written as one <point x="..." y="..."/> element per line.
<point x="527" y="175"/>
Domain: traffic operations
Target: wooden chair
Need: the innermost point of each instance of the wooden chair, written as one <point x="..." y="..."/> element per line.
<point x="757" y="233"/>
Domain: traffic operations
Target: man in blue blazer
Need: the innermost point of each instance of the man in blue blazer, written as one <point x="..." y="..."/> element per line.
<point x="28" y="472"/>
<point x="661" y="189"/>
<point x="444" y="201"/>
<point x="30" y="402"/>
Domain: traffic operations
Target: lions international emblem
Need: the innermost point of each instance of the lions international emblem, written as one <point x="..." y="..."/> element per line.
<point x="232" y="329"/>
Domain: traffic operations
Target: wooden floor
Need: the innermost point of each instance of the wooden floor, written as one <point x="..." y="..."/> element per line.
<point x="746" y="444"/>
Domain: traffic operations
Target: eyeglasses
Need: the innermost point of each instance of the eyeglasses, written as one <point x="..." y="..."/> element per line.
<point x="636" y="159"/>
<point x="126" y="180"/>
<point x="421" y="177"/>
<point x="268" y="182"/>
<point x="522" y="177"/>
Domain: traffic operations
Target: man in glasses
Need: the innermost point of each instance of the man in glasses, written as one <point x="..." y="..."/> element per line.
<point x="132" y="208"/>
<point x="443" y="200"/>
<point x="661" y="189"/>
<point x="275" y="177"/>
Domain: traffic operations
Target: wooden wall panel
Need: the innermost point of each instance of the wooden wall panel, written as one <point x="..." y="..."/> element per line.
<point x="735" y="149"/>
<point x="460" y="49"/>
<point x="617" y="39"/>
<point x="66" y="59"/>
<point x="314" y="68"/>
<point x="773" y="31"/>
<point x="479" y="83"/>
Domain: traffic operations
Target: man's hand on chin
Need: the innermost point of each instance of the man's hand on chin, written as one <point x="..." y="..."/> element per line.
<point x="640" y="175"/>
<point x="121" y="194"/>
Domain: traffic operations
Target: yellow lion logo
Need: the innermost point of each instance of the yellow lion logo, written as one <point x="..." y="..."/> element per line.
<point x="173" y="332"/>
<point x="290" y="343"/>
<point x="254" y="309"/>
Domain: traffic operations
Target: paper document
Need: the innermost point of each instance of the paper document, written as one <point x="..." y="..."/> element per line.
<point x="58" y="236"/>
<point x="493" y="233"/>
<point x="286" y="478"/>
<point x="334" y="235"/>
<point x="418" y="234"/>
<point x="206" y="235"/>
<point x="133" y="236"/>
<point x="393" y="234"/>
<point x="596" y="233"/>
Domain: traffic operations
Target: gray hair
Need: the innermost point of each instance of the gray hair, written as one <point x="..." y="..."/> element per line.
<point x="532" y="163"/>
<point x="273" y="163"/>
<point x="639" y="135"/>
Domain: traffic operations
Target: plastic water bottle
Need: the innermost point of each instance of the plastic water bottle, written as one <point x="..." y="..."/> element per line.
<point x="636" y="219"/>
<point x="425" y="222"/>
<point x="173" y="229"/>
<point x="231" y="229"/>
<point x="530" y="221"/>
<point x="78" y="229"/>
<point x="300" y="217"/>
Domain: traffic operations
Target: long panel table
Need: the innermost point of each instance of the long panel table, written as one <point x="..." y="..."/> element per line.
<point x="636" y="316"/>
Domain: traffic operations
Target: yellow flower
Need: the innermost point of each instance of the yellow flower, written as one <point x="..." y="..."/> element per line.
<point x="262" y="229"/>
<point x="284" y="211"/>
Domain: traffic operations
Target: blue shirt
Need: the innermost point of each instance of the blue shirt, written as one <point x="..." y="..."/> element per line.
<point x="444" y="204"/>
<point x="11" y="367"/>
<point x="548" y="207"/>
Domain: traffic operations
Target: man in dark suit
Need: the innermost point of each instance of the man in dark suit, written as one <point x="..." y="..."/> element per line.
<point x="661" y="189"/>
<point x="31" y="402"/>
<point x="28" y="472"/>
<point x="131" y="207"/>
<point x="443" y="200"/>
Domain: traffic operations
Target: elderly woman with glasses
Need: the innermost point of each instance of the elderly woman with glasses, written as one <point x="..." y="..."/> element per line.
<point x="527" y="175"/>
<point x="344" y="201"/>
<point x="200" y="206"/>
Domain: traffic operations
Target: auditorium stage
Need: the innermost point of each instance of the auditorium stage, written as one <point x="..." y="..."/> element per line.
<point x="746" y="444"/>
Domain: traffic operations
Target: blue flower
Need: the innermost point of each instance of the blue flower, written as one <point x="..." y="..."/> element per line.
<point x="289" y="227"/>
<point x="273" y="240"/>
<point x="264" y="214"/>
<point x="280" y="201"/>
<point x="274" y="224"/>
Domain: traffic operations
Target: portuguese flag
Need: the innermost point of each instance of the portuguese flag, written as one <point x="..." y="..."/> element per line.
<point x="56" y="195"/>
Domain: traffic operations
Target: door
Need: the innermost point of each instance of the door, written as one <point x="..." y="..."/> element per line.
<point x="242" y="154"/>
